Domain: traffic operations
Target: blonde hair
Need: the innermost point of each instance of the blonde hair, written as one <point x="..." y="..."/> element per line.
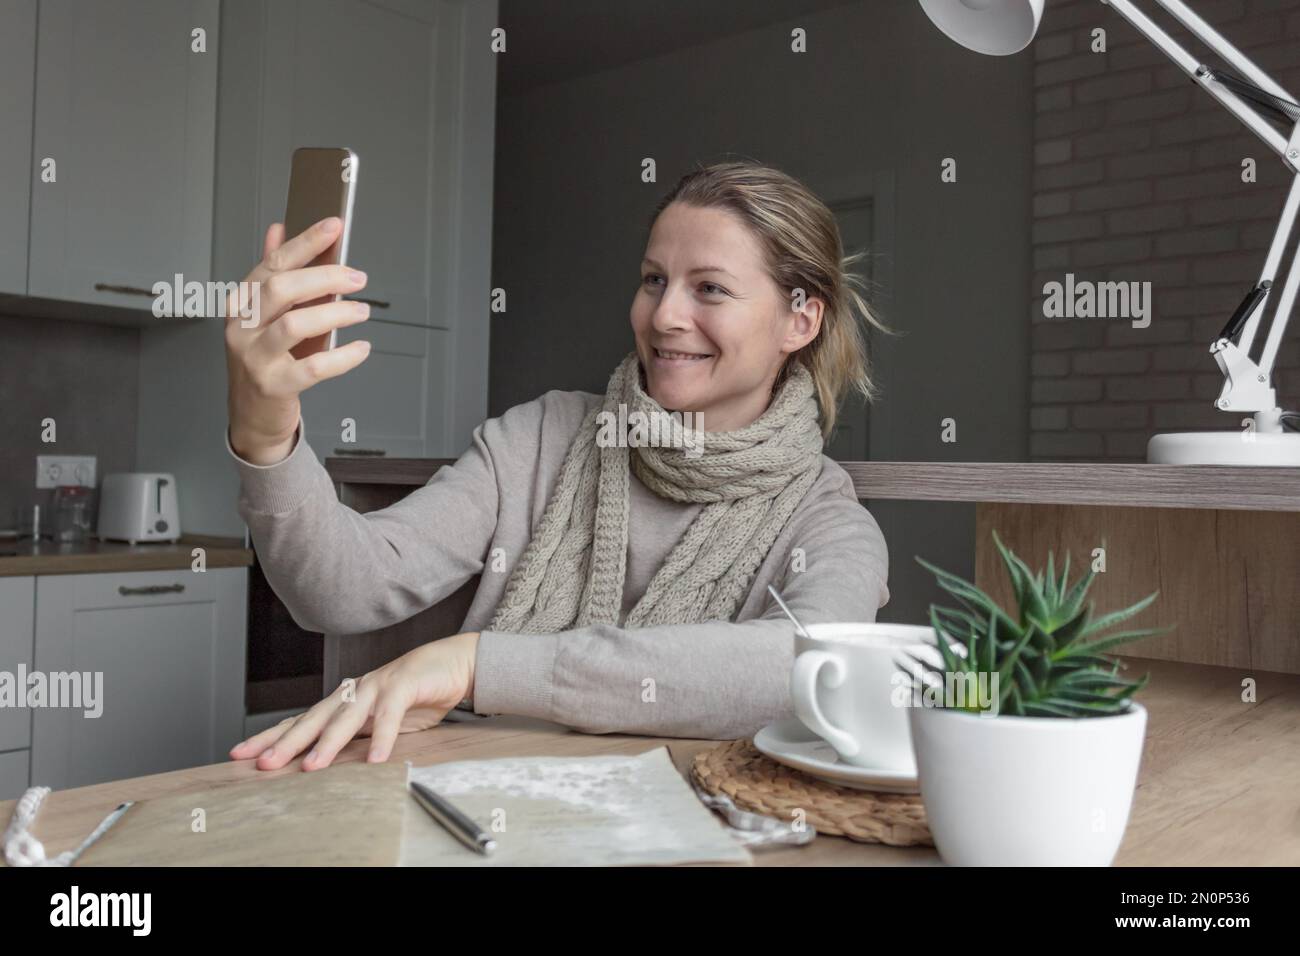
<point x="803" y="249"/>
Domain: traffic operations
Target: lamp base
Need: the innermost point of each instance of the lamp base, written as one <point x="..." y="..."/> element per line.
<point x="1267" y="449"/>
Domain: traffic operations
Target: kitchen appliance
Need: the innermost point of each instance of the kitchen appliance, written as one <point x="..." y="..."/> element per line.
<point x="138" y="506"/>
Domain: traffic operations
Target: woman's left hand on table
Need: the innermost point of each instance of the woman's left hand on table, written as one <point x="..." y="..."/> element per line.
<point x="413" y="692"/>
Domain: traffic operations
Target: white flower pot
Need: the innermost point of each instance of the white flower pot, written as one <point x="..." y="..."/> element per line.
<point x="1027" y="791"/>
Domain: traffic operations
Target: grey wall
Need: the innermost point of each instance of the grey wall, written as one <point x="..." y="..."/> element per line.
<point x="82" y="375"/>
<point x="880" y="90"/>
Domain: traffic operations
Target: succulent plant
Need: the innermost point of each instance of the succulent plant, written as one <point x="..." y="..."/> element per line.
<point x="1048" y="658"/>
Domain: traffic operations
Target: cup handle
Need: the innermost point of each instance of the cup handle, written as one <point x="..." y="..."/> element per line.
<point x="803" y="689"/>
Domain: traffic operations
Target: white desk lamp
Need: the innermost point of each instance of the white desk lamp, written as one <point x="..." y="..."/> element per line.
<point x="1003" y="27"/>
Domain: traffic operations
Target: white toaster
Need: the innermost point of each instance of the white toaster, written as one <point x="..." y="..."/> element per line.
<point x="138" y="506"/>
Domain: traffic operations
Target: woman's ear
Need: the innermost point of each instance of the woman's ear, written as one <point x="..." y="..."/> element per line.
<point x="804" y="323"/>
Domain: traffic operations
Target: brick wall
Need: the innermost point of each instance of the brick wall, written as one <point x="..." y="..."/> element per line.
<point x="1137" y="177"/>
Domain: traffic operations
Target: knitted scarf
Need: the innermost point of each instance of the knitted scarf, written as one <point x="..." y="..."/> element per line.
<point x="749" y="480"/>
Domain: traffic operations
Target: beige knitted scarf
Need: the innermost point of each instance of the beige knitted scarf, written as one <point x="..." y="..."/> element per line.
<point x="749" y="481"/>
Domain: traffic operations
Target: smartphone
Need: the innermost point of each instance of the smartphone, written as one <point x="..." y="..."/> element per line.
<point x="322" y="183"/>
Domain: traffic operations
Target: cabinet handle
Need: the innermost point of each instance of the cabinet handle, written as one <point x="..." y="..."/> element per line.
<point x="123" y="289"/>
<point x="370" y="452"/>
<point x="376" y="303"/>
<point x="152" y="589"/>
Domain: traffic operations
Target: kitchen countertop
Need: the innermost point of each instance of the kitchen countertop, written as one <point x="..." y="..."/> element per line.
<point x="94" y="556"/>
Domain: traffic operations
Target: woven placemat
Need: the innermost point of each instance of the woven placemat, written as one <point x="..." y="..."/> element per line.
<point x="758" y="783"/>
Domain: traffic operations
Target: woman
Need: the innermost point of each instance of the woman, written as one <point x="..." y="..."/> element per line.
<point x="622" y="588"/>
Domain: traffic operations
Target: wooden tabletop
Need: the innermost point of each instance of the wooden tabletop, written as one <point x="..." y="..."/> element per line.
<point x="1219" y="784"/>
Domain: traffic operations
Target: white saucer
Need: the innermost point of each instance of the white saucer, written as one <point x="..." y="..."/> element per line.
<point x="789" y="742"/>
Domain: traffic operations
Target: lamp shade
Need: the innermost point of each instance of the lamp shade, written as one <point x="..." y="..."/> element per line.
<point x="995" y="27"/>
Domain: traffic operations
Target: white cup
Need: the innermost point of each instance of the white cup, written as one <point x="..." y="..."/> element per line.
<point x="847" y="683"/>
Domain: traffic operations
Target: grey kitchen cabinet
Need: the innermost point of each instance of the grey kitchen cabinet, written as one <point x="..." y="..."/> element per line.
<point x="17" y="628"/>
<point x="17" y="73"/>
<point x="382" y="78"/>
<point x="170" y="646"/>
<point x="14" y="778"/>
<point x="362" y="74"/>
<point x="125" y="107"/>
<point x="393" y="397"/>
<point x="411" y="86"/>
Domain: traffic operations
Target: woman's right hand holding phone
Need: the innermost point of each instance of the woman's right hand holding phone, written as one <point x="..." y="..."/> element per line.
<point x="265" y="378"/>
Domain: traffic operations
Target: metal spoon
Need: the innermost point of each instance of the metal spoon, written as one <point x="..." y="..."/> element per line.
<point x="754" y="830"/>
<point x="803" y="631"/>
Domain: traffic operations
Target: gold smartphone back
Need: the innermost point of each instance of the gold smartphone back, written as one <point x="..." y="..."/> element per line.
<point x="322" y="183"/>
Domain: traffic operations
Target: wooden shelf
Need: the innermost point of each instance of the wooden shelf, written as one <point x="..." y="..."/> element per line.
<point x="366" y="470"/>
<point x="1213" y="487"/>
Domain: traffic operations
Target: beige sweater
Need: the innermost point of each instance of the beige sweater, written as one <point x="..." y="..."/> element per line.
<point x="341" y="572"/>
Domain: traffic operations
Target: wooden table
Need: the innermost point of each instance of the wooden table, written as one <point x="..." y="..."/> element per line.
<point x="1219" y="784"/>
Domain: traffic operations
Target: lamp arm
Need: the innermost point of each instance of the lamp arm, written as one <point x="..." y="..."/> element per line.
<point x="1204" y="76"/>
<point x="1248" y="384"/>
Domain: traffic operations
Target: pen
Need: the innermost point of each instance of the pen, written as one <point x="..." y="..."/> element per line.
<point x="457" y="824"/>
<point x="99" y="831"/>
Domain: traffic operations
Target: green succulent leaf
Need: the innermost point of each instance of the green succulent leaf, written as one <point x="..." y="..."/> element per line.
<point x="1015" y="705"/>
<point x="1064" y="583"/>
<point x="1029" y="590"/>
<point x="968" y="594"/>
<point x="1120" y="637"/>
<point x="1023" y="679"/>
<point x="1073" y="601"/>
<point x="1043" y="708"/>
<point x="1048" y="652"/>
<point x="1012" y="658"/>
<point x="944" y="641"/>
<point x="1107" y="621"/>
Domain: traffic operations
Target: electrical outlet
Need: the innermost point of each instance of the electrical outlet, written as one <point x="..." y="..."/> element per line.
<point x="55" y="470"/>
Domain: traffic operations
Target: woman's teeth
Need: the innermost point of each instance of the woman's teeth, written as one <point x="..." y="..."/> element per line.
<point x="679" y="355"/>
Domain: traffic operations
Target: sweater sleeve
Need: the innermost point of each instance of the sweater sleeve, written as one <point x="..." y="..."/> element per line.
<point x="713" y="680"/>
<point x="343" y="572"/>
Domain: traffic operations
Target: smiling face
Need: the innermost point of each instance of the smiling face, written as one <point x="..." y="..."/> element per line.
<point x="712" y="327"/>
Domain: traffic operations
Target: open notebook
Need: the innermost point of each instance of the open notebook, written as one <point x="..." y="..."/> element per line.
<point x="544" y="811"/>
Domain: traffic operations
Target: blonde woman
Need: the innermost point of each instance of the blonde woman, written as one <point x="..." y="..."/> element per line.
<point x="625" y="562"/>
